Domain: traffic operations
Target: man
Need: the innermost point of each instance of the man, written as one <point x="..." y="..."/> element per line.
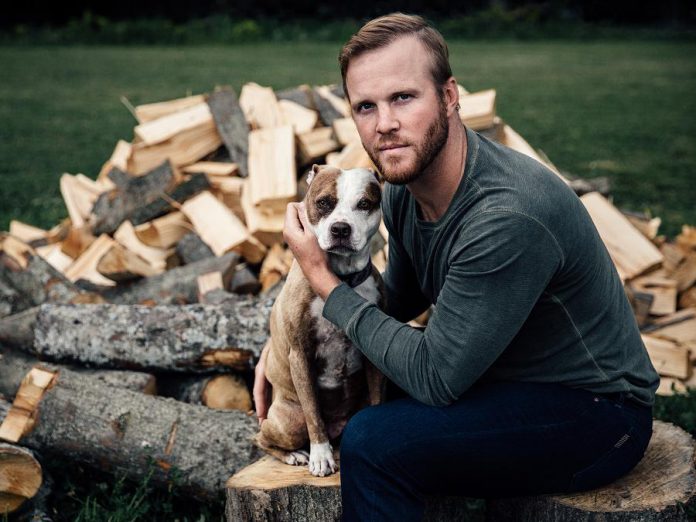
<point x="531" y="376"/>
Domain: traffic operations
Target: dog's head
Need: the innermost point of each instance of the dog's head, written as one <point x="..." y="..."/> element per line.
<point x="343" y="207"/>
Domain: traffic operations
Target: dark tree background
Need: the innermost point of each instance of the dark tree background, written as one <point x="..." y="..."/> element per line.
<point x="43" y="12"/>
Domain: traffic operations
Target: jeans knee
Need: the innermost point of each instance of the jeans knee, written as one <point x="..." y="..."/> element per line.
<point x="358" y="436"/>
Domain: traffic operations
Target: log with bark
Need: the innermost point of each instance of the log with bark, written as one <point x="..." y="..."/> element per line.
<point x="231" y="125"/>
<point x="132" y="434"/>
<point x="222" y="392"/>
<point x="662" y="487"/>
<point x="20" y="476"/>
<point x="18" y="329"/>
<point x="178" y="285"/>
<point x="132" y="192"/>
<point x="14" y="365"/>
<point x="183" y="338"/>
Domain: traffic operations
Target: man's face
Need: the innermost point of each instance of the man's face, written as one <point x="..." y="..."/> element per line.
<point x="400" y="114"/>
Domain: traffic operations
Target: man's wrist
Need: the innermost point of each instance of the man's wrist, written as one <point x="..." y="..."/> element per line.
<point x="324" y="282"/>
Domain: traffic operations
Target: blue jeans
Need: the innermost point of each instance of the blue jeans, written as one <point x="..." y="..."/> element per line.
<point x="499" y="439"/>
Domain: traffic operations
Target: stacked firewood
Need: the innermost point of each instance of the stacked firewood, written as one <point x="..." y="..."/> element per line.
<point x="130" y="330"/>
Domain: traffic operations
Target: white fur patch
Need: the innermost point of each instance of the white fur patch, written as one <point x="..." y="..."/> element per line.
<point x="321" y="461"/>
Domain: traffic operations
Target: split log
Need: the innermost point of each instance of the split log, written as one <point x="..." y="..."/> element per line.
<point x="300" y="118"/>
<point x="245" y="282"/>
<point x="31" y="275"/>
<point x="85" y="266"/>
<point x="220" y="392"/>
<point x="231" y="125"/>
<point x="477" y="110"/>
<point x="270" y="491"/>
<point x="178" y="285"/>
<point x="132" y="434"/>
<point x="152" y="111"/>
<point x="166" y="127"/>
<point x="301" y="95"/>
<point x="121" y="264"/>
<point x="659" y="488"/>
<point x="115" y="206"/>
<point x="191" y="248"/>
<point x="20" y="476"/>
<point x="272" y="172"/>
<point x="260" y="106"/>
<point x="196" y="184"/>
<point x="326" y="109"/>
<point x="158" y="258"/>
<point x="165" y="231"/>
<point x="182" y="338"/>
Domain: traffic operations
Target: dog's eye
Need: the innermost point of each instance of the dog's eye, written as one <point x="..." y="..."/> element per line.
<point x="324" y="204"/>
<point x="364" y="204"/>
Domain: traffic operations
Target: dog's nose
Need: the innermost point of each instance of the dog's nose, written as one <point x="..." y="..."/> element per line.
<point x="340" y="230"/>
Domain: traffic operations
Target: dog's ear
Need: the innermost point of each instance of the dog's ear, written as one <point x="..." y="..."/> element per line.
<point x="375" y="174"/>
<point x="310" y="176"/>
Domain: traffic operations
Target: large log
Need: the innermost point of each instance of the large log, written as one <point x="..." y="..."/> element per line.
<point x="191" y="248"/>
<point x="270" y="491"/>
<point x="662" y="487"/>
<point x="20" y="476"/>
<point x="231" y="125"/>
<point x="115" y="206"/>
<point x="133" y="434"/>
<point x="178" y="285"/>
<point x="183" y="338"/>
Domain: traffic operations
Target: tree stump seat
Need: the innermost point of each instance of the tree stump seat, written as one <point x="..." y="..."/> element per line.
<point x="662" y="487"/>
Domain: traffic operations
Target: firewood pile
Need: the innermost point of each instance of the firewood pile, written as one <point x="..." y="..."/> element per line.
<point x="130" y="330"/>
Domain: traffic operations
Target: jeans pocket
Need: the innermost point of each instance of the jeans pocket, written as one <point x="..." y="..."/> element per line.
<point x="621" y="458"/>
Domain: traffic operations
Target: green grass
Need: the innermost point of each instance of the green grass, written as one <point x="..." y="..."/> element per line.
<point x="620" y="109"/>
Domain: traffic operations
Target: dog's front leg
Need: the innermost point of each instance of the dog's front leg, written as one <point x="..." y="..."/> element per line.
<point x="321" y="461"/>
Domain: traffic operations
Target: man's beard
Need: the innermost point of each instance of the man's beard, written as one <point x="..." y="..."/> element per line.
<point x="433" y="142"/>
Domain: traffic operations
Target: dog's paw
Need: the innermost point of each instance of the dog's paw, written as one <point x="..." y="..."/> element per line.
<point x="321" y="461"/>
<point x="297" y="458"/>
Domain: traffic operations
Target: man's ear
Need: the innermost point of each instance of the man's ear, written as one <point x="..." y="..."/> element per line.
<point x="313" y="171"/>
<point x="451" y="93"/>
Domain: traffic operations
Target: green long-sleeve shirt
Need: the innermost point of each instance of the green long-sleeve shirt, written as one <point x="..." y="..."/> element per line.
<point x="522" y="286"/>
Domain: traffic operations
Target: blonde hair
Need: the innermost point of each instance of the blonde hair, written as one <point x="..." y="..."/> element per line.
<point x="382" y="31"/>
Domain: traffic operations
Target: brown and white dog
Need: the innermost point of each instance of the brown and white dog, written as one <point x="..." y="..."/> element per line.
<point x="319" y="378"/>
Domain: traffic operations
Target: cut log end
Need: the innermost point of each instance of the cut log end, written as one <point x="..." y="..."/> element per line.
<point x="661" y="487"/>
<point x="20" y="477"/>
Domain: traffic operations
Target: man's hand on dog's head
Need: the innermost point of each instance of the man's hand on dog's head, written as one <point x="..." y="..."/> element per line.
<point x="298" y="235"/>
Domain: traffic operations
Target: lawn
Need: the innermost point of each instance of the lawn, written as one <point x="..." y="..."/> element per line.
<point x="620" y="109"/>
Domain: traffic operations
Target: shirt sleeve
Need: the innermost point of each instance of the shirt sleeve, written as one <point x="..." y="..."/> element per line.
<point x="498" y="269"/>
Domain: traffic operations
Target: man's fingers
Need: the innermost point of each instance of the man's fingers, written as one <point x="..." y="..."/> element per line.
<point x="304" y="219"/>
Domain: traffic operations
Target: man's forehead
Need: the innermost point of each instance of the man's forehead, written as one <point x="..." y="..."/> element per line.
<point x="402" y="62"/>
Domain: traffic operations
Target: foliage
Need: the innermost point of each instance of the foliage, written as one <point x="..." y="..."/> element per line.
<point x="525" y="22"/>
<point x="679" y="409"/>
<point x="87" y="495"/>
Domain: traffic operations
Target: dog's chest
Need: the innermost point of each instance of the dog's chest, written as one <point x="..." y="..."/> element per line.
<point x="335" y="356"/>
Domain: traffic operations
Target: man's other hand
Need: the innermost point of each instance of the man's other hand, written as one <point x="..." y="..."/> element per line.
<point x="262" y="388"/>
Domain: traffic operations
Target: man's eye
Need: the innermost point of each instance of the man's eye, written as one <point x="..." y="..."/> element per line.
<point x="364" y="107"/>
<point x="364" y="204"/>
<point x="403" y="97"/>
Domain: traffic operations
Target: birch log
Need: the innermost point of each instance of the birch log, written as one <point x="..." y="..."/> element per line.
<point x="183" y="338"/>
<point x="129" y="433"/>
<point x="20" y="476"/>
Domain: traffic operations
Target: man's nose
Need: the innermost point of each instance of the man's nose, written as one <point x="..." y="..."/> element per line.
<point x="386" y="121"/>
